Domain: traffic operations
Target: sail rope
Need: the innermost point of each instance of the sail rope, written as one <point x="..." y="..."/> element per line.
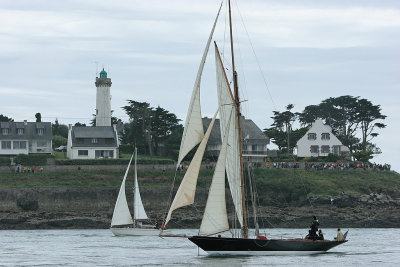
<point x="169" y="203"/>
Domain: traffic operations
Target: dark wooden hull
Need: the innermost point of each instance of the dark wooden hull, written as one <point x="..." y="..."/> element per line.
<point x="240" y="246"/>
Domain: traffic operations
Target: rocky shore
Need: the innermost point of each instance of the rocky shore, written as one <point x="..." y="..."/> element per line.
<point x="75" y="208"/>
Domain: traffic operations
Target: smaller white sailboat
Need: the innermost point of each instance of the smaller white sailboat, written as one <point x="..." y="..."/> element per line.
<point x="122" y="223"/>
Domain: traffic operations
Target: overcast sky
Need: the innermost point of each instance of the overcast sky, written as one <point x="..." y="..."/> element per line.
<point x="307" y="51"/>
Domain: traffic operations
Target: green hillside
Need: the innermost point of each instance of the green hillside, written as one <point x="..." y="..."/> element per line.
<point x="292" y="183"/>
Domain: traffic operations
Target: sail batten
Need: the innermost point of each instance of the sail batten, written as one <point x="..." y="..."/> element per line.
<point x="121" y="214"/>
<point x="193" y="132"/>
<point x="187" y="189"/>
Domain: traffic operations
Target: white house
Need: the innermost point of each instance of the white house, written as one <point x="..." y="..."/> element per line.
<point x="25" y="138"/>
<point x="319" y="141"/>
<point x="92" y="142"/>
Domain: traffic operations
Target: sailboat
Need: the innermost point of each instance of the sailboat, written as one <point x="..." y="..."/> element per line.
<point x="122" y="223"/>
<point x="230" y="165"/>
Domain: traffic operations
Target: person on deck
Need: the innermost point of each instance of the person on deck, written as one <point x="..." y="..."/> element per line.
<point x="314" y="228"/>
<point x="320" y="235"/>
<point x="339" y="236"/>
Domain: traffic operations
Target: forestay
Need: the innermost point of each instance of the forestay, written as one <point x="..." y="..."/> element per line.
<point x="225" y="100"/>
<point x="138" y="210"/>
<point x="122" y="215"/>
<point x="193" y="132"/>
<point x="187" y="189"/>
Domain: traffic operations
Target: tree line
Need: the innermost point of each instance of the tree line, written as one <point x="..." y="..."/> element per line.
<point x="354" y="120"/>
<point x="157" y="131"/>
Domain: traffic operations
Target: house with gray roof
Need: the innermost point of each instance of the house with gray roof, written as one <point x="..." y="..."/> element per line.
<point x="92" y="142"/>
<point x="25" y="138"/>
<point x="254" y="145"/>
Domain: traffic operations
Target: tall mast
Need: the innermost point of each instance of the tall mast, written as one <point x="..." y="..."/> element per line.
<point x="238" y="114"/>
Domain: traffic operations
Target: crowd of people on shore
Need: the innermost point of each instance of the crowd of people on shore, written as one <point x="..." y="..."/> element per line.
<point x="347" y="166"/>
<point x="327" y="166"/>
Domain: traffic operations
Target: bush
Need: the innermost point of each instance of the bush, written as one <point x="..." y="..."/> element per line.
<point x="332" y="157"/>
<point x="5" y="161"/>
<point x="32" y="160"/>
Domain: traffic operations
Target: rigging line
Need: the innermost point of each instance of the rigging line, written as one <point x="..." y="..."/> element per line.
<point x="170" y="196"/>
<point x="255" y="55"/>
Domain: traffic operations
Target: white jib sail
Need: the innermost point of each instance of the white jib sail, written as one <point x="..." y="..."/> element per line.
<point x="138" y="209"/>
<point x="187" y="189"/>
<point x="122" y="215"/>
<point x="233" y="171"/>
<point x="193" y="132"/>
<point x="215" y="218"/>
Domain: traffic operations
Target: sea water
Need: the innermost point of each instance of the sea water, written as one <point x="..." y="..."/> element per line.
<point x="366" y="247"/>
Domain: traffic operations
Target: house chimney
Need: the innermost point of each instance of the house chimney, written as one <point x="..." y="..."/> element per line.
<point x="25" y="122"/>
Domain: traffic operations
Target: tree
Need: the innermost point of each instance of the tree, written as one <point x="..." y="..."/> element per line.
<point x="5" y="118"/>
<point x="114" y="120"/>
<point x="59" y="129"/>
<point x="367" y="113"/>
<point x="284" y="121"/>
<point x="80" y="124"/>
<point x="38" y="117"/>
<point x="150" y="126"/>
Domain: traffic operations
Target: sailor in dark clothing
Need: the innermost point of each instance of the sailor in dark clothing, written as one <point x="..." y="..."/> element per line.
<point x="320" y="235"/>
<point x="314" y="228"/>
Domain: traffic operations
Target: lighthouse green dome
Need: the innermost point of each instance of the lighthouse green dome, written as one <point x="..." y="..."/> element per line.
<point x="103" y="74"/>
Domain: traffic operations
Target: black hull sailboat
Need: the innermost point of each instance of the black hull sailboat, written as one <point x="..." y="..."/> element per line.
<point x="229" y="166"/>
<point x="241" y="246"/>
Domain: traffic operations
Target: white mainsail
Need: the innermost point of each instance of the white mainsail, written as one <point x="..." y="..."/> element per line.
<point x="187" y="189"/>
<point x="122" y="215"/>
<point x="193" y="132"/>
<point x="233" y="171"/>
<point x="138" y="209"/>
<point x="215" y="218"/>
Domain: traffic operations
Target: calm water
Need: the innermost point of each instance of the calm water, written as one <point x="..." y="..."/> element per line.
<point x="367" y="247"/>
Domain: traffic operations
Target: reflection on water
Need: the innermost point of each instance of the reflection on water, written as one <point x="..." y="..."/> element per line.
<point x="101" y="248"/>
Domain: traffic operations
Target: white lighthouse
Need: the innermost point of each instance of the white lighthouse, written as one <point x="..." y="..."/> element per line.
<point x="103" y="100"/>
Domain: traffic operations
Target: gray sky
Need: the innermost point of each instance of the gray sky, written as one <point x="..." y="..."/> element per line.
<point x="308" y="51"/>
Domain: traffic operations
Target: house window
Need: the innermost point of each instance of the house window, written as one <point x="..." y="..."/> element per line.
<point x="5" y="131"/>
<point x="325" y="149"/>
<point x="109" y="140"/>
<point x="312" y="136"/>
<point x="314" y="149"/>
<point x="79" y="140"/>
<point x="20" y="131"/>
<point x="94" y="140"/>
<point x="41" y="143"/>
<point x="6" y="144"/>
<point x="40" y="131"/>
<point x="325" y="136"/>
<point x="83" y="152"/>
<point x="19" y="144"/>
<point x="104" y="154"/>
<point x="336" y="150"/>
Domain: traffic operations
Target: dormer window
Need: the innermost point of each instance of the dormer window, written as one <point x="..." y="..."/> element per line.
<point x="5" y="131"/>
<point x="20" y="131"/>
<point x="312" y="136"/>
<point x="325" y="136"/>
<point x="94" y="140"/>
